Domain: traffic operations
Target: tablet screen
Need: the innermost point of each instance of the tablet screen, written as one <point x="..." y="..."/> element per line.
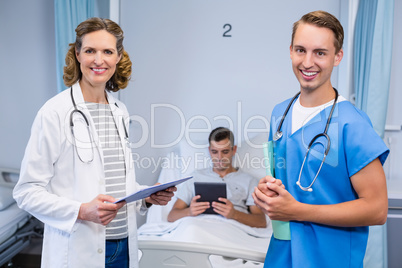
<point x="209" y="192"/>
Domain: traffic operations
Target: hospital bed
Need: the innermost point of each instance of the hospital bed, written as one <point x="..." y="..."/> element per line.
<point x="17" y="227"/>
<point x="205" y="240"/>
<point x="210" y="241"/>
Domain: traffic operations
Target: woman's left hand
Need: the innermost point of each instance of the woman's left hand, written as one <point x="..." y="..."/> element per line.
<point x="161" y="197"/>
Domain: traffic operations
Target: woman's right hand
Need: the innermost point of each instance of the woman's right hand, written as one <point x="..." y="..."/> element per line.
<point x="100" y="210"/>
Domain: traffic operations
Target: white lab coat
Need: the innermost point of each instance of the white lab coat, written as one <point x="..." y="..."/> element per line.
<point x="54" y="182"/>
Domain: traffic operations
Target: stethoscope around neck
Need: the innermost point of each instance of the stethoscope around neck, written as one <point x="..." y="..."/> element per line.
<point x="278" y="135"/>
<point x="88" y="130"/>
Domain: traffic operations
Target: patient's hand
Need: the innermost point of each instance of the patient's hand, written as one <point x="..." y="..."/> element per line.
<point x="196" y="208"/>
<point x="226" y="210"/>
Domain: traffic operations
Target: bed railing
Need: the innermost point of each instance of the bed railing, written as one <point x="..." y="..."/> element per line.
<point x="182" y="254"/>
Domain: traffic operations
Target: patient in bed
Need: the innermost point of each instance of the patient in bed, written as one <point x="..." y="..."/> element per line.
<point x="239" y="204"/>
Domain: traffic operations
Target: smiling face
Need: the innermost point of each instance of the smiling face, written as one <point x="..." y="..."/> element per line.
<point x="314" y="56"/>
<point x="98" y="58"/>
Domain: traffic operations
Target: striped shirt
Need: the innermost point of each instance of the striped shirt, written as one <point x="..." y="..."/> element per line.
<point x="114" y="166"/>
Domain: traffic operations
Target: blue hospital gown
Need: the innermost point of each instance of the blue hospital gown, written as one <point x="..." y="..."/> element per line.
<point x="354" y="144"/>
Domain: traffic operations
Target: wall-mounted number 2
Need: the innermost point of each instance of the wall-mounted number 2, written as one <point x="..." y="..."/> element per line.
<point x="225" y="34"/>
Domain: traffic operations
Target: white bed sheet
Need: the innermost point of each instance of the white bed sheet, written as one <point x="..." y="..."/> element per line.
<point x="209" y="230"/>
<point x="12" y="218"/>
<point x="214" y="231"/>
<point x="157" y="215"/>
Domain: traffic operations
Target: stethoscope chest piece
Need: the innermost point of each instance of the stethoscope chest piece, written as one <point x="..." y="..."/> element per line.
<point x="277" y="135"/>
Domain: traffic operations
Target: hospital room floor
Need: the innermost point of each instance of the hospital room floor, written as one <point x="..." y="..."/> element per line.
<point x="29" y="257"/>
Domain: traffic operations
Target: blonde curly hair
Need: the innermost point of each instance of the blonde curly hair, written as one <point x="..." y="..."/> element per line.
<point x="72" y="71"/>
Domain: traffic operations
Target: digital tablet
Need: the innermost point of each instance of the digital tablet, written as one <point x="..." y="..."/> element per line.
<point x="209" y="192"/>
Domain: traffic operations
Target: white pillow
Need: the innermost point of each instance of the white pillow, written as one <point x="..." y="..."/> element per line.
<point x="6" y="197"/>
<point x="193" y="157"/>
<point x="250" y="156"/>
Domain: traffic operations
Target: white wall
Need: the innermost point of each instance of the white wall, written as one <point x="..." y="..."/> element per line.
<point x="180" y="59"/>
<point x="393" y="167"/>
<point x="27" y="71"/>
<point x="198" y="79"/>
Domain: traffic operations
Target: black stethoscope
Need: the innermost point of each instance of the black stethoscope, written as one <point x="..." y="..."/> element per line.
<point x="88" y="130"/>
<point x="278" y="134"/>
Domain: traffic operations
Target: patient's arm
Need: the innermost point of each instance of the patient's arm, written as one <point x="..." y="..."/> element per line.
<point x="181" y="209"/>
<point x="256" y="218"/>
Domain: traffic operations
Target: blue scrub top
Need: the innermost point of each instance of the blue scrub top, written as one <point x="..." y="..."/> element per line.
<point x="354" y="144"/>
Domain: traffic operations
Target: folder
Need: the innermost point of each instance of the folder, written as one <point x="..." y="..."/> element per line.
<point x="141" y="194"/>
<point x="281" y="229"/>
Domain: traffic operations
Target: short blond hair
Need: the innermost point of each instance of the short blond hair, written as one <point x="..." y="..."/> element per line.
<point x="322" y="19"/>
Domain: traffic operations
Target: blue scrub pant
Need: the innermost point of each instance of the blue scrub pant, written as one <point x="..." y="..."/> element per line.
<point x="117" y="253"/>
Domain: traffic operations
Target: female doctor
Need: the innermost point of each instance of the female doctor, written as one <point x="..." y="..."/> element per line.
<point x="77" y="162"/>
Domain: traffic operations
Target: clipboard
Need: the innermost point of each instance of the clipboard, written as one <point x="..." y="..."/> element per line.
<point x="141" y="194"/>
<point x="281" y="229"/>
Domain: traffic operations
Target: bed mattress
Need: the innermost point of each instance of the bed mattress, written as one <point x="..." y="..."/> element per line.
<point x="214" y="232"/>
<point x="12" y="218"/>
